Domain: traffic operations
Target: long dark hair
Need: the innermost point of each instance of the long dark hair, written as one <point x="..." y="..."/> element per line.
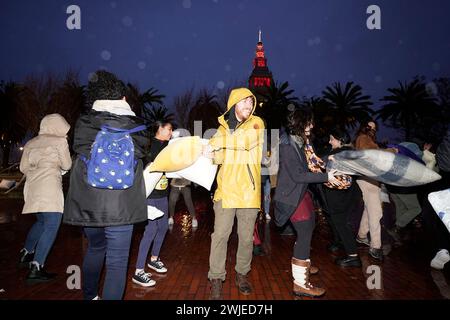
<point x="341" y="134"/>
<point x="297" y="120"/>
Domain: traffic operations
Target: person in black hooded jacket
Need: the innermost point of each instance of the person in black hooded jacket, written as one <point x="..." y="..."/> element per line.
<point x="107" y="216"/>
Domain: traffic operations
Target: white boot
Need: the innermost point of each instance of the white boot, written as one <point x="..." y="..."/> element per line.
<point x="302" y="286"/>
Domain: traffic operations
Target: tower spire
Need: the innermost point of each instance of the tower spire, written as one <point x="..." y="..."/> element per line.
<point x="259" y="35"/>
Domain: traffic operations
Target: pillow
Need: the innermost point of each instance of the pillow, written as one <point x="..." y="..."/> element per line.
<point x="440" y="202"/>
<point x="150" y="179"/>
<point x="387" y="167"/>
<point x="201" y="172"/>
<point x="179" y="154"/>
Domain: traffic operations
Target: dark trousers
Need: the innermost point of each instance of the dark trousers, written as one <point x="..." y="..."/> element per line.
<point x="340" y="204"/>
<point x="114" y="243"/>
<point x="154" y="233"/>
<point x="187" y="196"/>
<point x="304" y="230"/>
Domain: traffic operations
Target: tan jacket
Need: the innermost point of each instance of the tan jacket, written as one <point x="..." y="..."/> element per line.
<point x="44" y="159"/>
<point x="239" y="154"/>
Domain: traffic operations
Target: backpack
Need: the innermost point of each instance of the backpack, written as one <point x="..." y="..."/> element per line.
<point x="111" y="164"/>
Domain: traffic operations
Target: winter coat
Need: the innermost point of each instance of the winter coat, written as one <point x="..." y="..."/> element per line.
<point x="95" y="207"/>
<point x="293" y="179"/>
<point x="443" y="153"/>
<point x="239" y="154"/>
<point x="45" y="158"/>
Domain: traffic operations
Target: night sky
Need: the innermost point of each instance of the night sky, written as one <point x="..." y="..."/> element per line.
<point x="175" y="45"/>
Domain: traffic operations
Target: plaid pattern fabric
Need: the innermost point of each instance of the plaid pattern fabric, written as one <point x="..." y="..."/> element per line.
<point x="316" y="165"/>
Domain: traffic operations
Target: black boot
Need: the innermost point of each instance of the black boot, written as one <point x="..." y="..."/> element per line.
<point x="25" y="258"/>
<point x="37" y="274"/>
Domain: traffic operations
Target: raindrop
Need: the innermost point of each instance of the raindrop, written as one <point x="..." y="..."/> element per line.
<point x="106" y="55"/>
<point x="92" y="77"/>
<point x="187" y="4"/>
<point x="127" y="21"/>
<point x="141" y="65"/>
<point x="220" y="85"/>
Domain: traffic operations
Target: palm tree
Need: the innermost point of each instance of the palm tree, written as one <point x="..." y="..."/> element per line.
<point x="277" y="100"/>
<point x="350" y="104"/>
<point x="207" y="110"/>
<point x="141" y="103"/>
<point x="11" y="130"/>
<point x="407" y="106"/>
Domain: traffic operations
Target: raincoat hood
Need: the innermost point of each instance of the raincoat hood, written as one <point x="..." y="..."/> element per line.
<point x="239" y="94"/>
<point x="54" y="124"/>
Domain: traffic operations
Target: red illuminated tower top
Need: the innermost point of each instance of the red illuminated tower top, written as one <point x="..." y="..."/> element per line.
<point x="261" y="78"/>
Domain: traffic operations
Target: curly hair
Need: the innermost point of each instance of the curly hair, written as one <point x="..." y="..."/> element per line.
<point x="297" y="121"/>
<point x="104" y="85"/>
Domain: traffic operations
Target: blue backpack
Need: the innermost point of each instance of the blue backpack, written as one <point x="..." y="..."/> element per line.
<point x="111" y="164"/>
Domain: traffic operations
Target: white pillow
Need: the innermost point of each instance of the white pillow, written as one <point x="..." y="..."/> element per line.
<point x="201" y="172"/>
<point x="154" y="213"/>
<point x="150" y="179"/>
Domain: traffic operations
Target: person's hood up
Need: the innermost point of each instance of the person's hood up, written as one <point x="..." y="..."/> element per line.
<point x="239" y="94"/>
<point x="54" y="124"/>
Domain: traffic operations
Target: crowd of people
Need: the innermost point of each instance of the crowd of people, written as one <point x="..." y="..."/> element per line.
<point x="106" y="207"/>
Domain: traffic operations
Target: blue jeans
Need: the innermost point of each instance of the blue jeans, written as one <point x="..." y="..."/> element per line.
<point x="155" y="231"/>
<point x="42" y="235"/>
<point x="114" y="243"/>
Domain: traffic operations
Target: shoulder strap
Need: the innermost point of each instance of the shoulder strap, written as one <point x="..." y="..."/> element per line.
<point x="134" y="130"/>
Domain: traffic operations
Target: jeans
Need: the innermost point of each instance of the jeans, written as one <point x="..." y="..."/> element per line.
<point x="42" y="235"/>
<point x="155" y="231"/>
<point x="114" y="243"/>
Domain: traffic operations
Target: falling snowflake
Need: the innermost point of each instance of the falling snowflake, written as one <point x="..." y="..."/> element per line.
<point x="187" y="4"/>
<point x="92" y="77"/>
<point x="141" y="65"/>
<point x="127" y="21"/>
<point x="220" y="85"/>
<point x="106" y="55"/>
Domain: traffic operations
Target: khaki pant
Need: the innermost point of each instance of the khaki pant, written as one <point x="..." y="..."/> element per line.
<point x="373" y="212"/>
<point x="223" y="225"/>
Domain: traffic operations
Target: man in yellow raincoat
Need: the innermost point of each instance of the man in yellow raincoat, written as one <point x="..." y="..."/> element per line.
<point x="237" y="148"/>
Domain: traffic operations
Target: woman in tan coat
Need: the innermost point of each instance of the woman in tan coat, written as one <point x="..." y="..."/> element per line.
<point x="45" y="159"/>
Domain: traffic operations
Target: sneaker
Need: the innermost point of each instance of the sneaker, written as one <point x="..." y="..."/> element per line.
<point x="143" y="279"/>
<point x="364" y="241"/>
<point x="37" y="274"/>
<point x="25" y="258"/>
<point x="97" y="298"/>
<point x="170" y="221"/>
<point x="376" y="254"/>
<point x="194" y="223"/>
<point x="268" y="217"/>
<point x="158" y="266"/>
<point x="440" y="259"/>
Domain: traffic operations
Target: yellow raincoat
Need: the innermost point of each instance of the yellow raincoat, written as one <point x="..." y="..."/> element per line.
<point x="239" y="154"/>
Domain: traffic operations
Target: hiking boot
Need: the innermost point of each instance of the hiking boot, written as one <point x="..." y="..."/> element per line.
<point x="243" y="284"/>
<point x="216" y="289"/>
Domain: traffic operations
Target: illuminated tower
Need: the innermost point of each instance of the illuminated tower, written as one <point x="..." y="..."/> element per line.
<point x="261" y="78"/>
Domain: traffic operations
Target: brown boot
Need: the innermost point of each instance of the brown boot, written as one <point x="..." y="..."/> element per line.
<point x="216" y="289"/>
<point x="243" y="284"/>
<point x="302" y="286"/>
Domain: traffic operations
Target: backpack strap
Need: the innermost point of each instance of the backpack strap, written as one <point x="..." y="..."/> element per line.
<point x="134" y="130"/>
